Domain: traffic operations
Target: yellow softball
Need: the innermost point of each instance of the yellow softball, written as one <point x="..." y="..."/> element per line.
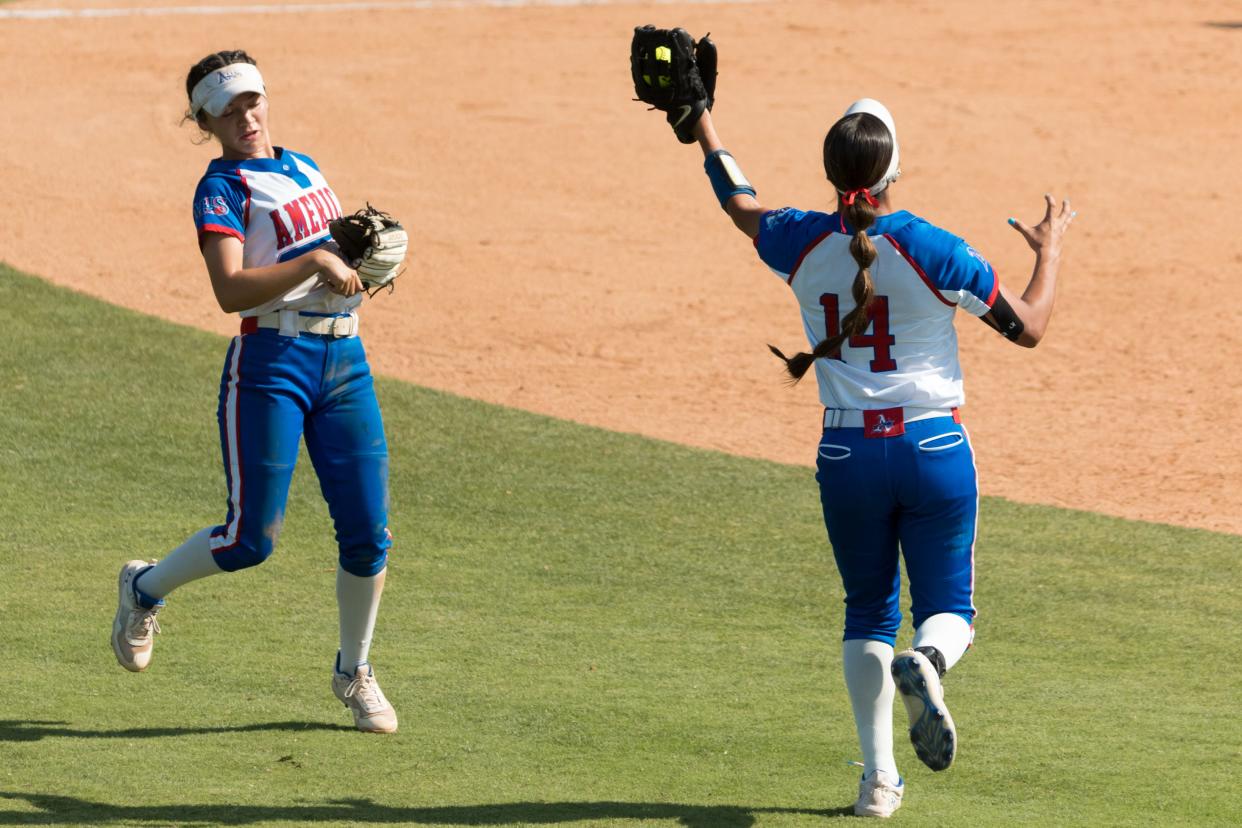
<point x="665" y="54"/>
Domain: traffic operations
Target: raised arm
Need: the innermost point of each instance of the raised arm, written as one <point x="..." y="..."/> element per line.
<point x="677" y="75"/>
<point x="1024" y="319"/>
<point x="741" y="205"/>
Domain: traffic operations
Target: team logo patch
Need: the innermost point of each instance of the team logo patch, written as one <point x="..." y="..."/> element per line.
<point x="886" y="422"/>
<point x="775" y="216"/>
<point x="211" y="206"/>
<point x="970" y="251"/>
<point x="223" y="77"/>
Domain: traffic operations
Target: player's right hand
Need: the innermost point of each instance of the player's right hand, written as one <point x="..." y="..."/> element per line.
<point x="1045" y="237"/>
<point x="336" y="275"/>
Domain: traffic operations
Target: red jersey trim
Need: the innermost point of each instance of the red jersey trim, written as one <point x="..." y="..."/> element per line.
<point x="246" y="208"/>
<point x="919" y="270"/>
<point x="232" y="438"/>
<point x="222" y="230"/>
<point x="995" y="289"/>
<point x="805" y="252"/>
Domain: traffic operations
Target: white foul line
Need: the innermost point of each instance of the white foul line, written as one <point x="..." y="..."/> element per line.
<point x="357" y="5"/>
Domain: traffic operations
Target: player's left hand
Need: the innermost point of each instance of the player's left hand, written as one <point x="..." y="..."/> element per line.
<point x="675" y="75"/>
<point x="1045" y="237"/>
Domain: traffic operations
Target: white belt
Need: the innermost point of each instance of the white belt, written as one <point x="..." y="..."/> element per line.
<point x="853" y="418"/>
<point x="291" y="323"/>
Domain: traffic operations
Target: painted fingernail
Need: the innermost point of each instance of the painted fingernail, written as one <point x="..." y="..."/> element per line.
<point x="1013" y="221"/>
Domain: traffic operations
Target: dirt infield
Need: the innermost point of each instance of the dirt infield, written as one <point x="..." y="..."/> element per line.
<point x="569" y="256"/>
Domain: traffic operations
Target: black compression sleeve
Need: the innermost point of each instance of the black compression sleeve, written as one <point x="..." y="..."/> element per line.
<point x="1004" y="320"/>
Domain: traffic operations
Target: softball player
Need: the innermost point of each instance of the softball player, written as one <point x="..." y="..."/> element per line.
<point x="296" y="369"/>
<point x="877" y="289"/>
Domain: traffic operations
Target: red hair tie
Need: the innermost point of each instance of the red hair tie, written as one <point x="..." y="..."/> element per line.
<point x="848" y="197"/>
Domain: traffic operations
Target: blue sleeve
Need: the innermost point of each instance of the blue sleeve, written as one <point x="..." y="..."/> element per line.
<point x="220" y="205"/>
<point x="785" y="236"/>
<point x="950" y="266"/>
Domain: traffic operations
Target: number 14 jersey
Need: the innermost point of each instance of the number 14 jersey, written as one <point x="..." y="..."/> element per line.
<point x="907" y="356"/>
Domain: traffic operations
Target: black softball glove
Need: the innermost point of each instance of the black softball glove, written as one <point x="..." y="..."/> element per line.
<point x="675" y="75"/>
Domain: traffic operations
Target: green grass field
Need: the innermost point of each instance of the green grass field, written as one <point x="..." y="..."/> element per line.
<point x="580" y="628"/>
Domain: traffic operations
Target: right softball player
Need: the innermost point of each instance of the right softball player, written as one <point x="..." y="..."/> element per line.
<point x="877" y="289"/>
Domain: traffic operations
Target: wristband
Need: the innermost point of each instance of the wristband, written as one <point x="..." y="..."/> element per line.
<point x="726" y="177"/>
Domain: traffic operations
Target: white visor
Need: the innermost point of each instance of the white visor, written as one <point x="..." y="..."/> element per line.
<point x="879" y="110"/>
<point x="214" y="92"/>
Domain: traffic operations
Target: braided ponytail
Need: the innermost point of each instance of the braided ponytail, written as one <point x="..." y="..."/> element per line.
<point x="856" y="154"/>
<point x="860" y="215"/>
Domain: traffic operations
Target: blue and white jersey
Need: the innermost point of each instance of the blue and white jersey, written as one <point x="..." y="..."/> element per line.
<point x="922" y="274"/>
<point x="279" y="208"/>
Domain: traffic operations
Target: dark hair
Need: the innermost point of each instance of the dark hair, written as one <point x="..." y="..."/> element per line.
<point x="209" y="64"/>
<point x="856" y="154"/>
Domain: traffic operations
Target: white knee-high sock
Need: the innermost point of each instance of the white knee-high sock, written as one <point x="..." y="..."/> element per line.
<point x="871" y="691"/>
<point x="188" y="562"/>
<point x="947" y="632"/>
<point x="358" y="601"/>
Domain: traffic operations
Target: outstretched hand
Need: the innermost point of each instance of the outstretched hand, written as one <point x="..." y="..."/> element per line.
<point x="1045" y="237"/>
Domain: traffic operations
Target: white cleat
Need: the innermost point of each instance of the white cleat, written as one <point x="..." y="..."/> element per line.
<point x="362" y="695"/>
<point x="878" y="795"/>
<point x="931" y="727"/>
<point x="134" y="626"/>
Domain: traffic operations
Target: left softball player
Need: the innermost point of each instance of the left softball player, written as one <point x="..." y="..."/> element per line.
<point x="296" y="369"/>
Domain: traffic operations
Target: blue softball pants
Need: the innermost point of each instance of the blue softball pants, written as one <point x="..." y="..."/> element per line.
<point x="917" y="492"/>
<point x="275" y="390"/>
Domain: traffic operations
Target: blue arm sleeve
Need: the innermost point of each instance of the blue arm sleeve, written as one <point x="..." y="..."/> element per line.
<point x="726" y="177"/>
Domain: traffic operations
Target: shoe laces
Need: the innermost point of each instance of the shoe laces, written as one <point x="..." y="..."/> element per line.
<point x="879" y="784"/>
<point x="366" y="689"/>
<point x="887" y="790"/>
<point x="142" y="623"/>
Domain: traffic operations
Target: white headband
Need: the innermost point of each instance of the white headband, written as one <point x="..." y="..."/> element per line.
<point x="214" y="92"/>
<point x="879" y="110"/>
